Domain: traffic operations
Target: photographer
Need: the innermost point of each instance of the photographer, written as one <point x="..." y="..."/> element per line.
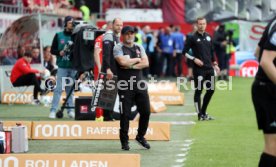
<point x="220" y="43"/>
<point x="64" y="66"/>
<point x="230" y="48"/>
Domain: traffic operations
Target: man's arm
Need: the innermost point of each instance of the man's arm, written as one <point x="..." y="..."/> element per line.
<point x="127" y="62"/>
<point x="97" y="51"/>
<point x="142" y="64"/>
<point x="257" y="52"/>
<point x="122" y="59"/>
<point x="144" y="60"/>
<point x="107" y="44"/>
<point x="187" y="47"/>
<point x="54" y="47"/>
<point x="25" y="69"/>
<point x="268" y="65"/>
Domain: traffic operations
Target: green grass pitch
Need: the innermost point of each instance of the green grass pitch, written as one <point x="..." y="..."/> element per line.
<point x="231" y="140"/>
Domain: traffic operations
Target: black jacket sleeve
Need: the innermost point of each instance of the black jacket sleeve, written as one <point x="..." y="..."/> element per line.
<point x="217" y="41"/>
<point x="54" y="47"/>
<point x="188" y="44"/>
<point x="107" y="53"/>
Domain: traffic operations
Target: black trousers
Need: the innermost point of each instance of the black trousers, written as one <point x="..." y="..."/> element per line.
<point x="223" y="60"/>
<point x="201" y="79"/>
<point x="154" y="60"/>
<point x="127" y="99"/>
<point x="264" y="100"/>
<point x="108" y="115"/>
<point x="27" y="80"/>
<point x="153" y="67"/>
<point x="177" y="61"/>
<point x="169" y="58"/>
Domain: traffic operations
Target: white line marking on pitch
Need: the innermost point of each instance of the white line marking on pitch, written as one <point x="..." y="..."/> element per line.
<point x="187" y="145"/>
<point x="181" y="141"/>
<point x="182" y="155"/>
<point x="175" y="114"/>
<point x="180" y="160"/>
<point x="185" y="149"/>
<point x="182" y="122"/>
<point x="188" y="141"/>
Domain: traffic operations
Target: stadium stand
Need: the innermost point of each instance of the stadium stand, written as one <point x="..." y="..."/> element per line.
<point x="57" y="7"/>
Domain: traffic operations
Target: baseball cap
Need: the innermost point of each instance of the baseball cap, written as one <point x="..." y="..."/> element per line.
<point x="127" y="29"/>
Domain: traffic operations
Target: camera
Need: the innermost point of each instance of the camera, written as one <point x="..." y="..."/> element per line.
<point x="82" y="48"/>
<point x="77" y="24"/>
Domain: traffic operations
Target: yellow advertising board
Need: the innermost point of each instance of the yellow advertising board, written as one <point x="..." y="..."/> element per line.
<point x="70" y="160"/>
<point x="157" y="105"/>
<point x="10" y="97"/>
<point x="162" y="87"/>
<point x="9" y="124"/>
<point x="169" y="98"/>
<point x="27" y="97"/>
<point x="60" y="130"/>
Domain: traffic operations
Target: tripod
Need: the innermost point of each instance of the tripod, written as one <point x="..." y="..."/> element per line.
<point x="88" y="75"/>
<point x="81" y="49"/>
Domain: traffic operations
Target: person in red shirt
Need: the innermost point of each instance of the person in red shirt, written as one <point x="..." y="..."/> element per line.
<point x="23" y="75"/>
<point x="98" y="54"/>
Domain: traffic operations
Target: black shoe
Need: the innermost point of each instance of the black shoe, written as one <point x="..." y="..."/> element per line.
<point x="142" y="141"/>
<point x="125" y="146"/>
<point x="207" y="117"/>
<point x="36" y="102"/>
<point x="200" y="117"/>
<point x="204" y="117"/>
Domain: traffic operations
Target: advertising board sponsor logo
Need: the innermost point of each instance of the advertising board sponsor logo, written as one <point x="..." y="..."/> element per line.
<point x="95" y="130"/>
<point x="69" y="160"/>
